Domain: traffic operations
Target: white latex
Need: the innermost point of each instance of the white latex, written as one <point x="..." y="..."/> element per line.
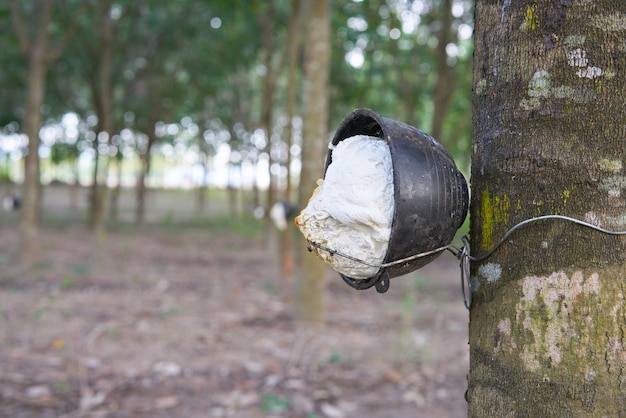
<point x="278" y="215"/>
<point x="352" y="208"/>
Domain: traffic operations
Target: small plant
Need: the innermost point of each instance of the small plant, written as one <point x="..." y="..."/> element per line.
<point x="80" y="268"/>
<point x="335" y="358"/>
<point x="114" y="334"/>
<point x="168" y="219"/>
<point x="67" y="283"/>
<point x="274" y="404"/>
<point x="62" y="387"/>
<point x="403" y="345"/>
<point x="169" y="312"/>
<point x="419" y="283"/>
<point x="44" y="265"/>
<point x="270" y="288"/>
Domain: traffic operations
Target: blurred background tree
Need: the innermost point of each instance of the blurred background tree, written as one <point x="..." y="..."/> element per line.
<point x="209" y="95"/>
<point x="41" y="36"/>
<point x="312" y="271"/>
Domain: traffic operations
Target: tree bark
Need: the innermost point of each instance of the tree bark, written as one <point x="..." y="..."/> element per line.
<point x="310" y="270"/>
<point x="548" y="320"/>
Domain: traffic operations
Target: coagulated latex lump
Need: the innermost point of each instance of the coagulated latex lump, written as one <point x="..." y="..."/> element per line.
<point x="351" y="210"/>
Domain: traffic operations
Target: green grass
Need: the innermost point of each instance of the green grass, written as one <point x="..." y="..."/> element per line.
<point x="243" y="225"/>
<point x="67" y="283"/>
<point x="274" y="404"/>
<point x="168" y="209"/>
<point x="80" y="268"/>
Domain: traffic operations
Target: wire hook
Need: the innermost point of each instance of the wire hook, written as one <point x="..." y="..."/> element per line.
<point x="463" y="254"/>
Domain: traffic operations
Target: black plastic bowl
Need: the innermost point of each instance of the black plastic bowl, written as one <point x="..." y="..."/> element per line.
<point x="430" y="194"/>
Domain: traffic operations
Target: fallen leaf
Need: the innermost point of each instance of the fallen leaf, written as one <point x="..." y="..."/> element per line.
<point x="167" y="368"/>
<point x="90" y="399"/>
<point x="58" y="344"/>
<point x="38" y="391"/>
<point x="331" y="411"/>
<point x="393" y="375"/>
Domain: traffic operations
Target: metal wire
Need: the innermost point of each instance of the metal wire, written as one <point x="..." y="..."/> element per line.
<point x="464" y="258"/>
<point x="541" y="218"/>
<point x="463" y="253"/>
<point x="380" y="265"/>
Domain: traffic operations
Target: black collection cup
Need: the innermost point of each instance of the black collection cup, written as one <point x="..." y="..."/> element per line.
<point x="430" y="194"/>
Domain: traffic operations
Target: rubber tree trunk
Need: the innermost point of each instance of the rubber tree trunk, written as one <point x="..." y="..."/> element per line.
<point x="267" y="24"/>
<point x="100" y="189"/>
<point x="548" y="320"/>
<point x="32" y="124"/>
<point x="293" y="47"/>
<point x="36" y="51"/>
<point x="145" y="160"/>
<point x="286" y="237"/>
<point x="444" y="86"/>
<point x="311" y="272"/>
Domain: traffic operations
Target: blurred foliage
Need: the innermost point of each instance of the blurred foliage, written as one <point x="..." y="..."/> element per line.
<point x="61" y="151"/>
<point x="274" y="404"/>
<point x="204" y="61"/>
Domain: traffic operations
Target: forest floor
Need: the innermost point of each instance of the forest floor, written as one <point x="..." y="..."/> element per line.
<point x="197" y="321"/>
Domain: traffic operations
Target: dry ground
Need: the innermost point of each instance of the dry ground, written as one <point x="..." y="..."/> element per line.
<point x="197" y="322"/>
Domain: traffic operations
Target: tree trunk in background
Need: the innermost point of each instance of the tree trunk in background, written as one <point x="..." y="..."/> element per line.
<point x="36" y="51"/>
<point x="233" y="191"/>
<point x="291" y="59"/>
<point x="32" y="124"/>
<point x="267" y="24"/>
<point x="548" y="320"/>
<point x="39" y="56"/>
<point x="203" y="189"/>
<point x="152" y="87"/>
<point x="293" y="43"/>
<point x="145" y="162"/>
<point x="312" y="271"/>
<point x="444" y="86"/>
<point x="114" y="208"/>
<point x="407" y="94"/>
<point x="99" y="191"/>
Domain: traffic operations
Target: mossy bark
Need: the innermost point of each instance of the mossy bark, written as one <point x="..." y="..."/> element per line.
<point x="548" y="320"/>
